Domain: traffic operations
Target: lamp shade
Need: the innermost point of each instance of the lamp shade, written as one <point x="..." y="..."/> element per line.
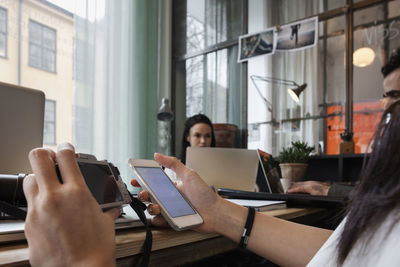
<point x="363" y="57"/>
<point x="295" y="93"/>
<point x="165" y="113"/>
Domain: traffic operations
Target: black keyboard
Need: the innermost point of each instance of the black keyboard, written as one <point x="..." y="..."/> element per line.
<point x="292" y="200"/>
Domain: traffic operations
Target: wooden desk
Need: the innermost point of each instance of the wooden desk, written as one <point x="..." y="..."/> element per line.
<point x="170" y="248"/>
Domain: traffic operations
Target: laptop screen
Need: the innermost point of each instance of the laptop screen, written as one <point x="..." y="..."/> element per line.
<point x="21" y="124"/>
<point x="268" y="179"/>
<point x="232" y="168"/>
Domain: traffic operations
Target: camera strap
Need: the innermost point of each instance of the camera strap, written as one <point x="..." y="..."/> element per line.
<point x="12" y="210"/>
<point x="139" y="208"/>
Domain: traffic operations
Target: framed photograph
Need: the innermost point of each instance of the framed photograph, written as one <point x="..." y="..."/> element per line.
<point x="298" y="35"/>
<point x="257" y="44"/>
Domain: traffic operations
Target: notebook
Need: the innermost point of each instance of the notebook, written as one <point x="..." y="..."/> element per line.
<point x="292" y="200"/>
<point x="21" y="124"/>
<point x="232" y="168"/>
<point x="260" y="205"/>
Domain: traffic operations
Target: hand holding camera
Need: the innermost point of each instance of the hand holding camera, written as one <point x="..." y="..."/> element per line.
<point x="49" y="207"/>
<point x="102" y="178"/>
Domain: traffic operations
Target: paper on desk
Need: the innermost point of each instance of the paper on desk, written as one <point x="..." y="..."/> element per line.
<point x="11" y="230"/>
<point x="11" y="226"/>
<point x="259" y="204"/>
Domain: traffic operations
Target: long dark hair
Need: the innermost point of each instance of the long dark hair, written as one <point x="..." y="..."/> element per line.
<point x="190" y="122"/>
<point x="378" y="193"/>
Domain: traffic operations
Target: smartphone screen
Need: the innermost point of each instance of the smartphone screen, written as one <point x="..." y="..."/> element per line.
<point x="100" y="181"/>
<point x="165" y="191"/>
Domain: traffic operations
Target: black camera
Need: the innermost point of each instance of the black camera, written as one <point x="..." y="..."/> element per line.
<point x="11" y="189"/>
<point x="102" y="178"/>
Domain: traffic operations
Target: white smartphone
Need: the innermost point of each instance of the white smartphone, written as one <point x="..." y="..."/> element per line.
<point x="175" y="208"/>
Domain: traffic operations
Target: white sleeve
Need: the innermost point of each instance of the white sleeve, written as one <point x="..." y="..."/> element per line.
<point x="382" y="249"/>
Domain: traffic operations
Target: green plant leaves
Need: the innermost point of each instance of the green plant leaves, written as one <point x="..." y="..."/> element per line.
<point x="298" y="152"/>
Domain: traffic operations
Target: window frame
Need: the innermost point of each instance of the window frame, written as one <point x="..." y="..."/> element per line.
<point x="42" y="48"/>
<point x="5" y="34"/>
<point x="179" y="93"/>
<point x="347" y="10"/>
<point x="51" y="122"/>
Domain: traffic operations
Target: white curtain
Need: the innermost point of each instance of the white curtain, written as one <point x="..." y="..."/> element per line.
<point x="299" y="66"/>
<point x="118" y="63"/>
<point x="213" y="80"/>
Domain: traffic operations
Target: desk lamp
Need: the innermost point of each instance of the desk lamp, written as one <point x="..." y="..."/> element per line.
<point x="165" y="116"/>
<point x="295" y="93"/>
<point x="165" y="112"/>
<point x="294" y="90"/>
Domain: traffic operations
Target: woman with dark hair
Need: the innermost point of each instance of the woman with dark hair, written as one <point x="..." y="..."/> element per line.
<point x="376" y="201"/>
<point x="199" y="132"/>
<point x="369" y="235"/>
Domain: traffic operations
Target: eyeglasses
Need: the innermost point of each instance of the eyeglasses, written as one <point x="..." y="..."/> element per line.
<point x="393" y="62"/>
<point x="392" y="94"/>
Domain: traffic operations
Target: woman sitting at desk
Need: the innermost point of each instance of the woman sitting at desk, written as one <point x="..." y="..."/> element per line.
<point x="65" y="225"/>
<point x="199" y="132"/>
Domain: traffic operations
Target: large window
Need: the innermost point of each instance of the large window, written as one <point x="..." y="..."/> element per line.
<point x="340" y="96"/>
<point x="3" y="32"/>
<point x="208" y="78"/>
<point x="42" y="46"/>
<point x="49" y="134"/>
<point x="33" y="50"/>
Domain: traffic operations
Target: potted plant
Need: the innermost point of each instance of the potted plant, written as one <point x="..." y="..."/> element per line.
<point x="293" y="160"/>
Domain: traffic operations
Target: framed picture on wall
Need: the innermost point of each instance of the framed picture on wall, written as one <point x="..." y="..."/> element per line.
<point x="257" y="44"/>
<point x="298" y="35"/>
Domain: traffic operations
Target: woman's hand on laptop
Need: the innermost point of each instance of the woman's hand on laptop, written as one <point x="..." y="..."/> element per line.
<point x="314" y="188"/>
<point x="201" y="196"/>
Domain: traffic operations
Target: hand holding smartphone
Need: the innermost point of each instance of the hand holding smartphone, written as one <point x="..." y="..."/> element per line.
<point x="175" y="208"/>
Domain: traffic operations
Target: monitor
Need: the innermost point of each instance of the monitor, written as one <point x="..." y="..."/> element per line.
<point x="21" y="124"/>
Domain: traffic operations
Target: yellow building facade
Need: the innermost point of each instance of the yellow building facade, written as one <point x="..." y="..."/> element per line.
<point x="38" y="52"/>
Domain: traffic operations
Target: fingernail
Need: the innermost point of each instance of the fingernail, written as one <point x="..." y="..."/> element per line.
<point x="65" y="146"/>
<point x="151" y="209"/>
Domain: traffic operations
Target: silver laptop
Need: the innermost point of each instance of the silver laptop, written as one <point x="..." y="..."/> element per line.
<point x="231" y="168"/>
<point x="21" y="124"/>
